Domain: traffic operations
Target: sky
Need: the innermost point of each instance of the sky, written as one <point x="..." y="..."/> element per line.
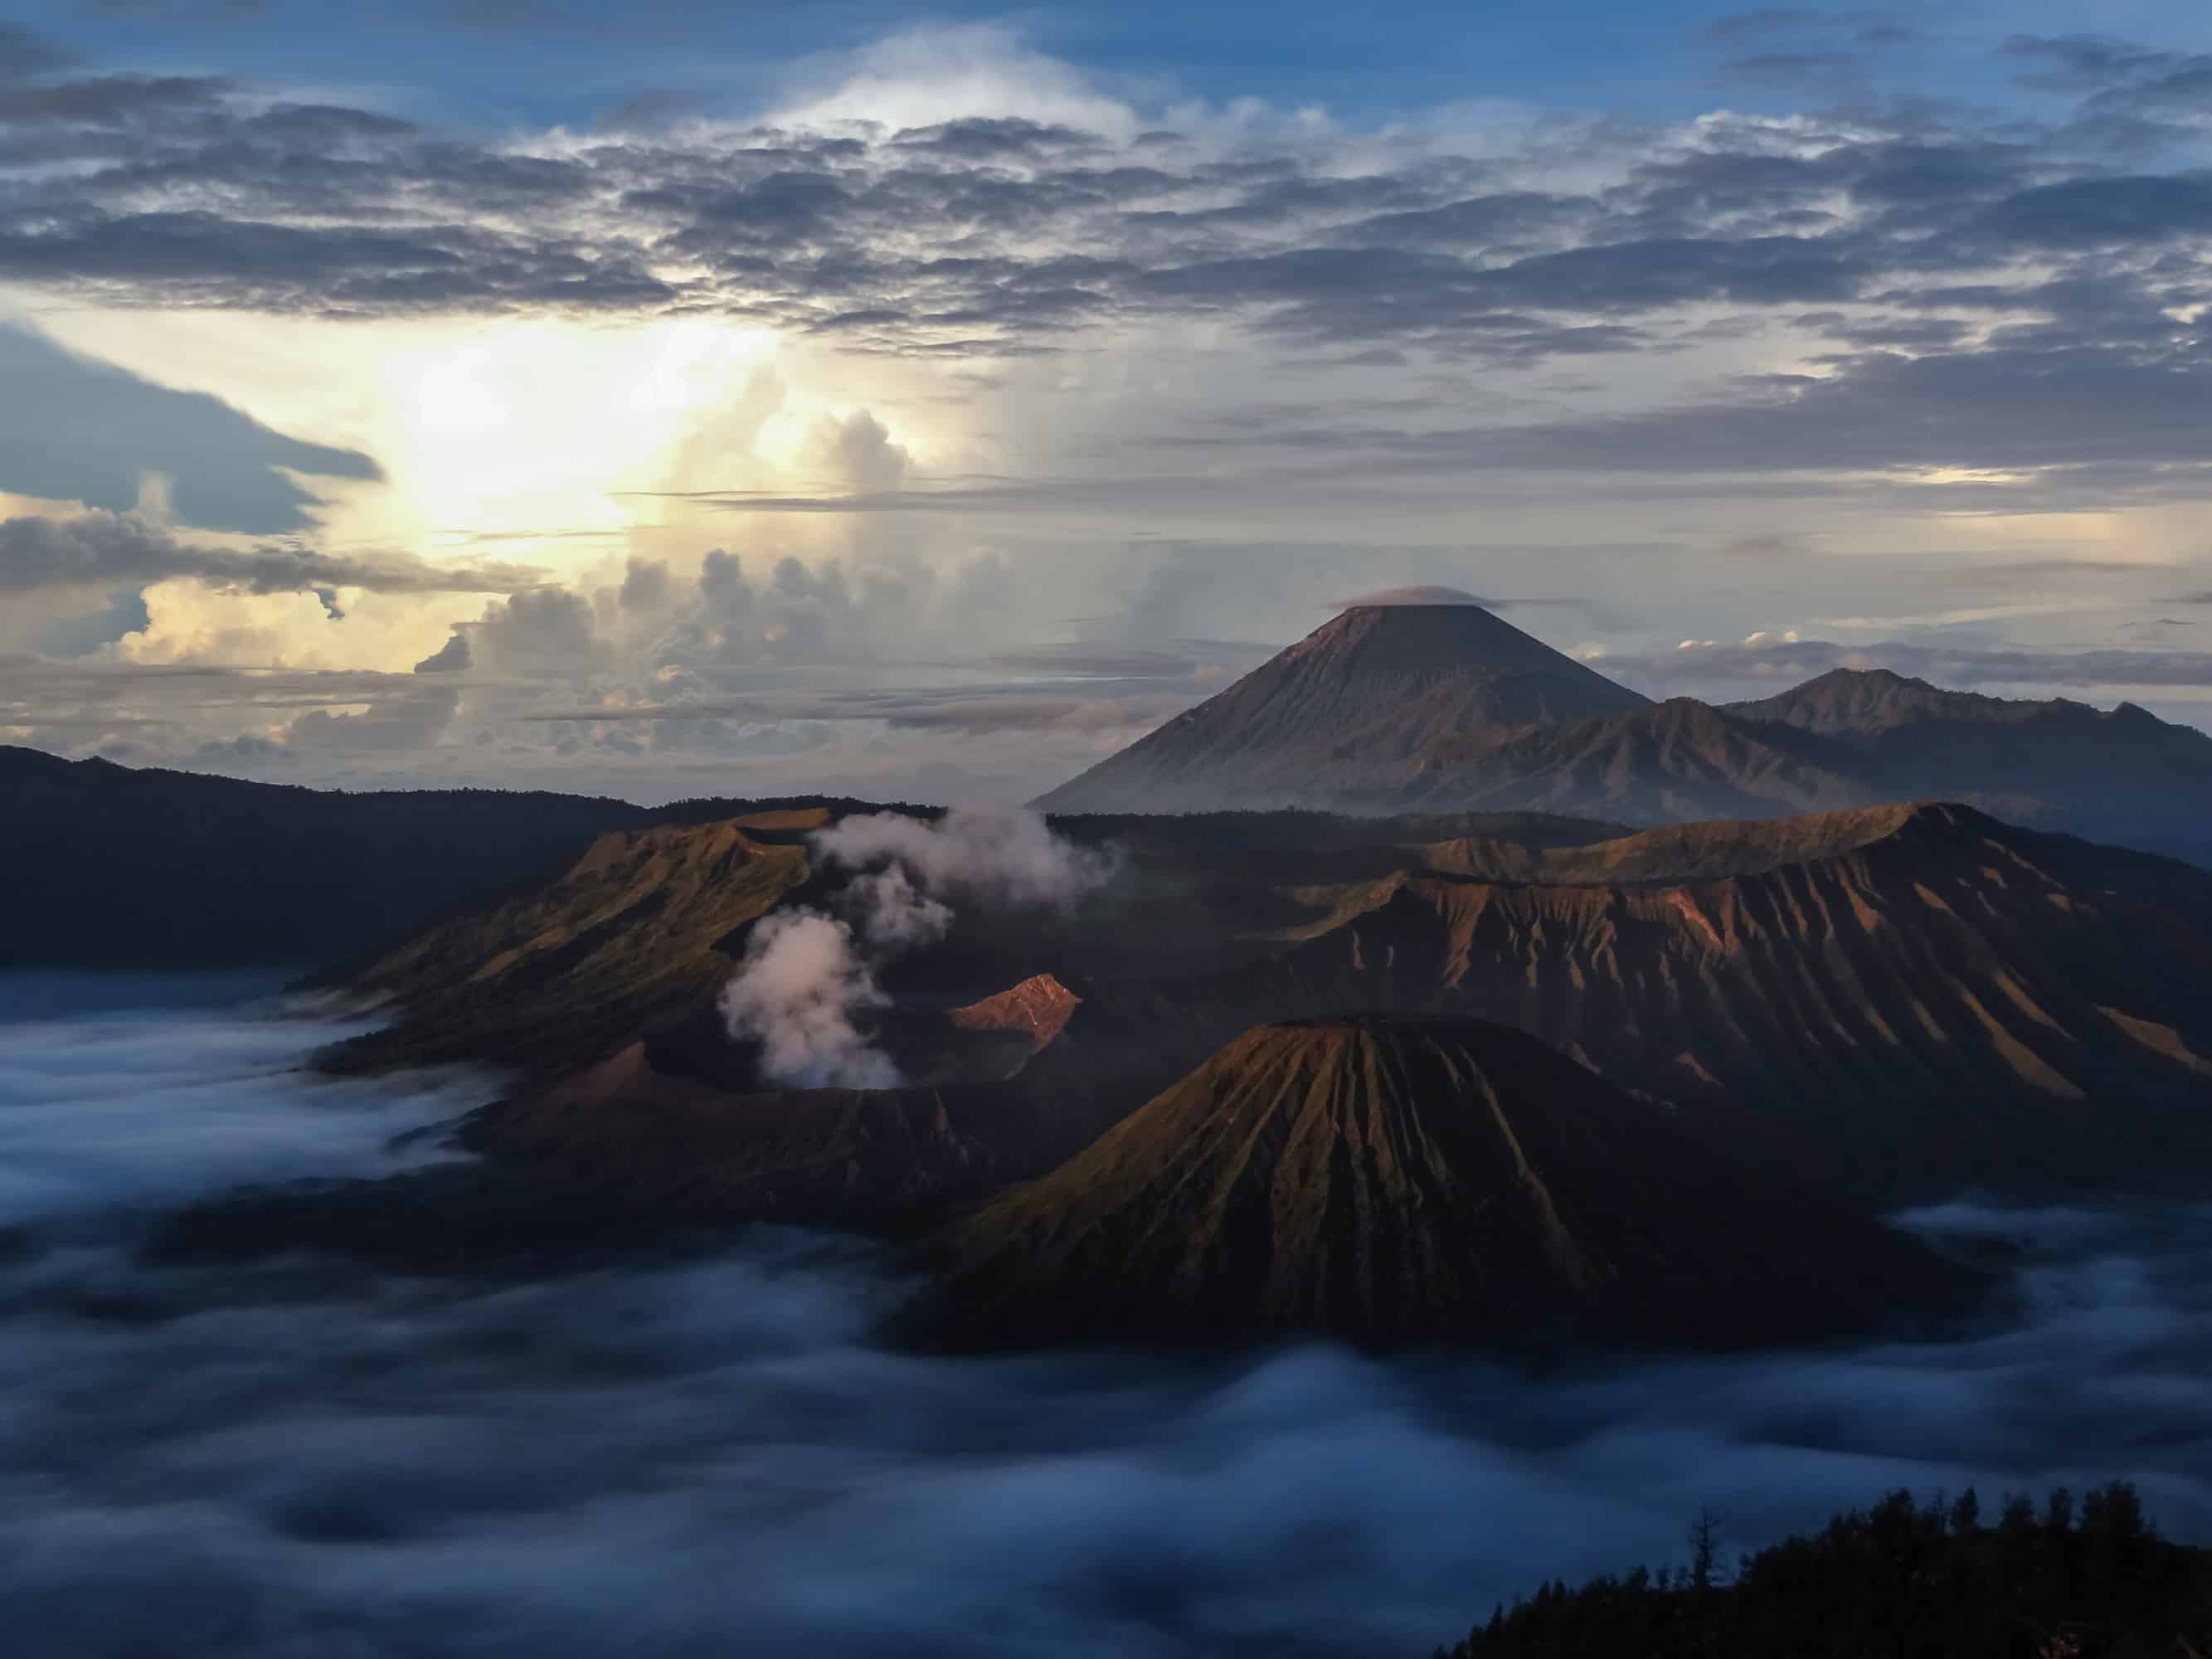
<point x="674" y="399"/>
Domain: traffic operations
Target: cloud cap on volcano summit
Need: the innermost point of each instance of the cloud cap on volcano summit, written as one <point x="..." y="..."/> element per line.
<point x="1427" y="594"/>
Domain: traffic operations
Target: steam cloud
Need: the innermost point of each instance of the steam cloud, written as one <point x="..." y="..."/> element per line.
<point x="796" y="992"/>
<point x="1008" y="858"/>
<point x="808" y="976"/>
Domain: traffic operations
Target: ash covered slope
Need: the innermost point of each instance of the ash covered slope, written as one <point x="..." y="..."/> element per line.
<point x="1350" y="716"/>
<point x="1394" y="1180"/>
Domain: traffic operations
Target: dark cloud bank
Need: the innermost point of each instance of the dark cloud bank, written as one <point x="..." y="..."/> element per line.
<point x="712" y="1456"/>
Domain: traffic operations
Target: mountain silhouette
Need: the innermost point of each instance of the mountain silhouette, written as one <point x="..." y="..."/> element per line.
<point x="1446" y="707"/>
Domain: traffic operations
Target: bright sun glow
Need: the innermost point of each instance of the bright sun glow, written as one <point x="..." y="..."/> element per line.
<point x="526" y="430"/>
<point x="541" y="426"/>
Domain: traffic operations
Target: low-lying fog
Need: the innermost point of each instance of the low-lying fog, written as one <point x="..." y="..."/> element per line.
<point x="711" y="1458"/>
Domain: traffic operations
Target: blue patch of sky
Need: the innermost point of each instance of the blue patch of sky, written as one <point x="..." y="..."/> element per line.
<point x="537" y="62"/>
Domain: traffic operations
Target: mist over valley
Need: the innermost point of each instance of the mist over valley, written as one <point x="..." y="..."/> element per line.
<point x="673" y="1454"/>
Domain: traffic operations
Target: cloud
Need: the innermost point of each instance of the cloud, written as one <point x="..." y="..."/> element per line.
<point x="858" y="454"/>
<point x="400" y="724"/>
<point x="1122" y="326"/>
<point x="1825" y="70"/>
<point x="101" y="549"/>
<point x="551" y="630"/>
<point x="1773" y="662"/>
<point x="451" y="658"/>
<point x="219" y="716"/>
<point x="742" y="1464"/>
<point x="138" y="1106"/>
<point x="2085" y="60"/>
<point x="72" y="429"/>
<point x="2018" y="407"/>
<point x="958" y="195"/>
<point x="1767" y="545"/>
<point x="1761" y="20"/>
<point x="1420" y="595"/>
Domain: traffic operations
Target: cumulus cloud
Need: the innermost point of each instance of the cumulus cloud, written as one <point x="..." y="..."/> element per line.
<point x="550" y="630"/>
<point x="859" y="455"/>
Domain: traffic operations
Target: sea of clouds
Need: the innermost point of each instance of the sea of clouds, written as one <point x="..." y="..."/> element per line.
<point x="714" y="1457"/>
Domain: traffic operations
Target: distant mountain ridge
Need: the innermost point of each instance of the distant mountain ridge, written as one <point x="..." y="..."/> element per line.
<point x="1482" y="717"/>
<point x="105" y="865"/>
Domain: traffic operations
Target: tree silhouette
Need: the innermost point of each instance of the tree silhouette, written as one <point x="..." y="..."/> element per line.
<point x="1900" y="1577"/>
<point x="1705" y="1536"/>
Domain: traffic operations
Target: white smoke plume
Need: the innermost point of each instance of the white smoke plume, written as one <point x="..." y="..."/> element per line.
<point x="808" y="978"/>
<point x="893" y="914"/>
<point x="1003" y="857"/>
<point x="801" y="983"/>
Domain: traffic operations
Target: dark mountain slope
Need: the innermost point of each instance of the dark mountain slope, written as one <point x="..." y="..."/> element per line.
<point x="1393" y="1180"/>
<point x="114" y="866"/>
<point x="636" y="935"/>
<point x="1671" y="762"/>
<point x="108" y="865"/>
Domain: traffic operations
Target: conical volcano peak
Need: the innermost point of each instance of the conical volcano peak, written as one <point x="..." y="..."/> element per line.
<point x="1460" y="636"/>
<point x="1413" y="1180"/>
<point x="1362" y="708"/>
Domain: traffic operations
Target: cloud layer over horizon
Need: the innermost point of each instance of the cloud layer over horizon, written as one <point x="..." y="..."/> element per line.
<point x="776" y="429"/>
